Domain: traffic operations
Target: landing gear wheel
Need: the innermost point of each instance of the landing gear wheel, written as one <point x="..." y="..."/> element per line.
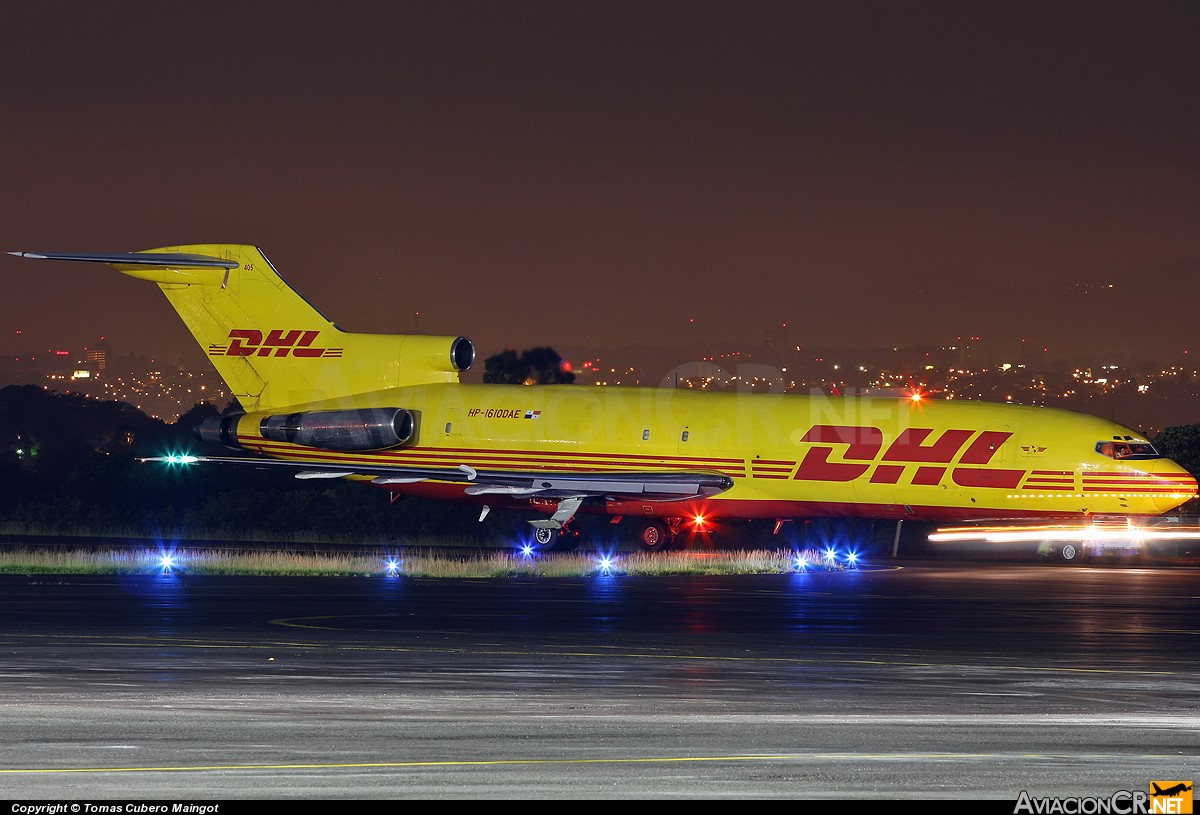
<point x="653" y="536"/>
<point x="545" y="539"/>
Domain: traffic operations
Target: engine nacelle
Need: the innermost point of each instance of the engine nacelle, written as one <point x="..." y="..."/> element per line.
<point x="448" y="354"/>
<point x="220" y="430"/>
<point x="362" y="429"/>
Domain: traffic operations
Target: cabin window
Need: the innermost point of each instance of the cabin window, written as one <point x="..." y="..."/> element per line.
<point x="1122" y="448"/>
<point x="646" y="434"/>
<point x="448" y="427"/>
<point x="684" y="437"/>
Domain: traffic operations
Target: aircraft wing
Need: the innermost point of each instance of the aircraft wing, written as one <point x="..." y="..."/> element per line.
<point x="650" y="486"/>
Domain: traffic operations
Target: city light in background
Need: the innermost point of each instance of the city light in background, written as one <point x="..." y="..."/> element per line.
<point x="1146" y="396"/>
<point x="695" y="178"/>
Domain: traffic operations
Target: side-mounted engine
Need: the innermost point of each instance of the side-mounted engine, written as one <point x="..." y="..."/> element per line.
<point x="358" y="429"/>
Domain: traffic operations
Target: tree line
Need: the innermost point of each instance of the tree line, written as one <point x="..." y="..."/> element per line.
<point x="69" y="465"/>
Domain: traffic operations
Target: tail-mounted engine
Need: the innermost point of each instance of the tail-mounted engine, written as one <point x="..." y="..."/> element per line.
<point x="220" y="430"/>
<point x="366" y="429"/>
<point x="418" y="352"/>
<point x="362" y="429"/>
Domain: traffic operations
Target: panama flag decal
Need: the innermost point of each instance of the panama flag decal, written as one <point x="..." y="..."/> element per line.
<point x="533" y="414"/>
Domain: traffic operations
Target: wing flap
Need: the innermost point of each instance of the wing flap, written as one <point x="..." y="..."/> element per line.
<point x="566" y="510"/>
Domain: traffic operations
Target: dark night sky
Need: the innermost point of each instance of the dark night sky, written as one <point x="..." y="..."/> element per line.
<point x="598" y="174"/>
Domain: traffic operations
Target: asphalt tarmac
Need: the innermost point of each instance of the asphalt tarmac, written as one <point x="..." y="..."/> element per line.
<point x="936" y="681"/>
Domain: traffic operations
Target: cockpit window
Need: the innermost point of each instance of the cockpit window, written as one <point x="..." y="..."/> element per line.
<point x="1123" y="448"/>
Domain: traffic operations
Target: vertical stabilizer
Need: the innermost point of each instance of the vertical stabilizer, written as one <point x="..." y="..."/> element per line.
<point x="270" y="345"/>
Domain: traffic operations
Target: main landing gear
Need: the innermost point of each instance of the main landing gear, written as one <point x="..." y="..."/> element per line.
<point x="648" y="534"/>
<point x="653" y="535"/>
<point x="545" y="539"/>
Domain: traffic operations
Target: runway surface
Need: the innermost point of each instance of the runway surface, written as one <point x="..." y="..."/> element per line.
<point x="971" y="681"/>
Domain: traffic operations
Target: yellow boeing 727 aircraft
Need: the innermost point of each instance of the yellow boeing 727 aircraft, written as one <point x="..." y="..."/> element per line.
<point x="390" y="410"/>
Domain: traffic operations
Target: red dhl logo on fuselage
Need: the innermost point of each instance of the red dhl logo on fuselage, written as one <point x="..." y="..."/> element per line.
<point x="865" y="450"/>
<point x="248" y="342"/>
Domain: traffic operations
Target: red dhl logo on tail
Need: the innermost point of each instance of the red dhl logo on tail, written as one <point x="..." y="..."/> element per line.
<point x="249" y="342"/>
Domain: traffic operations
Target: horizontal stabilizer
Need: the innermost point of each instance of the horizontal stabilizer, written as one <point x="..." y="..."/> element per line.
<point x="156" y="259"/>
<point x="164" y="268"/>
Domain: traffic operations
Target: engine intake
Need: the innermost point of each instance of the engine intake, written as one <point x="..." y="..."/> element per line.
<point x="428" y="353"/>
<point x="363" y="429"/>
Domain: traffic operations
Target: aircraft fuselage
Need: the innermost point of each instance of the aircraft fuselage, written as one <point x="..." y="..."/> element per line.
<point x="789" y="456"/>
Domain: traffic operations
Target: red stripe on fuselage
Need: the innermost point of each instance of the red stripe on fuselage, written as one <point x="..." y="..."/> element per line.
<point x="502" y="460"/>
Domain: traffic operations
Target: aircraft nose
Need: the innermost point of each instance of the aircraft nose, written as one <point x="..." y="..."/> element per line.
<point x="1175" y="485"/>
